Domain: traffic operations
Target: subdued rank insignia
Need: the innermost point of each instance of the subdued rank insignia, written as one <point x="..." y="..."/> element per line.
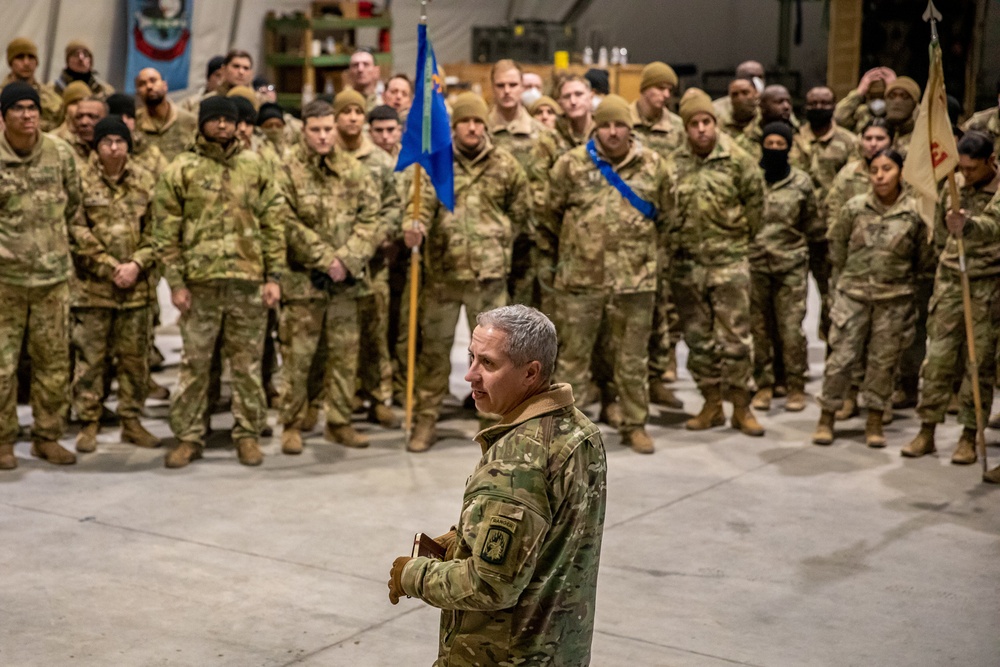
<point x="497" y="541"/>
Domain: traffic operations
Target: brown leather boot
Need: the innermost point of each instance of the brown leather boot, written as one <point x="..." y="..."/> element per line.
<point x="423" y="435"/>
<point x="86" y="439"/>
<point x="743" y="418"/>
<point x="182" y="454"/>
<point x="133" y="431"/>
<point x="383" y="416"/>
<point x="7" y="459"/>
<point x="661" y="394"/>
<point x="823" y="435"/>
<point x="993" y="476"/>
<point x="248" y="452"/>
<point x="291" y="440"/>
<point x="52" y="452"/>
<point x="711" y="414"/>
<point x="611" y="414"/>
<point x="965" y="454"/>
<point x="156" y="391"/>
<point x="922" y="444"/>
<point x="762" y="399"/>
<point x="873" y="429"/>
<point x="346" y="435"/>
<point x="796" y="401"/>
<point x="850" y="407"/>
<point x="639" y="441"/>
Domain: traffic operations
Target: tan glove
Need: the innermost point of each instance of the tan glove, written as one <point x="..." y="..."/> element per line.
<point x="396" y="579"/>
<point x="449" y="541"/>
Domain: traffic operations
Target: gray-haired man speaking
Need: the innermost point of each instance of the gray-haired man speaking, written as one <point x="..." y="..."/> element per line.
<point x="518" y="584"/>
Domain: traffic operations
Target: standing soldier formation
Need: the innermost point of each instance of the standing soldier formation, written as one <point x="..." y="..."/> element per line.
<point x="623" y="221"/>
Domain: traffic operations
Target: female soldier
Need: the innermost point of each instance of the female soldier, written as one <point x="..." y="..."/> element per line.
<point x="878" y="245"/>
<point x="853" y="180"/>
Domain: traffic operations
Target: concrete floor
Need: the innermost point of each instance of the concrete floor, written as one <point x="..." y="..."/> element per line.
<point x="718" y="550"/>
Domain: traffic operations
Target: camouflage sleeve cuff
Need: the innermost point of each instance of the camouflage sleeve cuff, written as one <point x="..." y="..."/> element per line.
<point x="174" y="279"/>
<point x="353" y="266"/>
<point x="274" y="278"/>
<point x="413" y="569"/>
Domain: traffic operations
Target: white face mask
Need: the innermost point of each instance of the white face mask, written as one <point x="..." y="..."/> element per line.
<point x="530" y="96"/>
<point x="758" y="83"/>
<point x="877" y="107"/>
<point x="596" y="102"/>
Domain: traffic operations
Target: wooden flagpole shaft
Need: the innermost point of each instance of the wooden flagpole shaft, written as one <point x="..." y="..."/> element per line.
<point x="411" y="341"/>
<point x="970" y="338"/>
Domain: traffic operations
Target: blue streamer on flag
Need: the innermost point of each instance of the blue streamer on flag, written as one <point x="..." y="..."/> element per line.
<point x="427" y="139"/>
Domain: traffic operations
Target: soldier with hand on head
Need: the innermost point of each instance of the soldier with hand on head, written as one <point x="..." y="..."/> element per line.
<point x="865" y="102"/>
<point x="518" y="581"/>
<point x="219" y="215"/>
<point x="39" y="207"/>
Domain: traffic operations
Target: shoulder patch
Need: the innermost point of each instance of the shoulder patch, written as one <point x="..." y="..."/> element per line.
<point x="498" y="539"/>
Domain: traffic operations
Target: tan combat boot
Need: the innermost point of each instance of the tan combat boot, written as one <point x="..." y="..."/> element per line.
<point x="156" y="391"/>
<point x="611" y="414"/>
<point x="873" y="429"/>
<point x="796" y="401"/>
<point x="993" y="476"/>
<point x="248" y="452"/>
<point x="638" y="440"/>
<point x="850" y="407"/>
<point x="52" y="452"/>
<point x="711" y="414"/>
<point x="670" y="373"/>
<point x="86" y="439"/>
<point x="887" y="415"/>
<point x="954" y="405"/>
<point x="743" y="418"/>
<point x="965" y="454"/>
<point x="7" y="459"/>
<point x="383" y="416"/>
<point x="423" y="435"/>
<point x="133" y="431"/>
<point x="309" y="421"/>
<point x="182" y="454"/>
<point x="661" y="394"/>
<point x="922" y="444"/>
<point x="762" y="399"/>
<point x="291" y="440"/>
<point x="823" y="435"/>
<point x="346" y="435"/>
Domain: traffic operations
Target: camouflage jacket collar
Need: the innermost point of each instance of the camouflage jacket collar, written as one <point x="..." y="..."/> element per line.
<point x="989" y="189"/>
<point x="634" y="151"/>
<point x="145" y="122"/>
<point x="11" y="79"/>
<point x="565" y="128"/>
<point x="363" y="150"/>
<point x="663" y="124"/>
<point x="905" y="203"/>
<point x="468" y="163"/>
<point x="127" y="176"/>
<point x="331" y="163"/>
<point x="719" y="152"/>
<point x="522" y="124"/>
<point x="217" y="152"/>
<point x="8" y="155"/>
<point x="556" y="397"/>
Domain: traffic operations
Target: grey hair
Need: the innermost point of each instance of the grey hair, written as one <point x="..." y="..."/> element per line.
<point x="531" y="336"/>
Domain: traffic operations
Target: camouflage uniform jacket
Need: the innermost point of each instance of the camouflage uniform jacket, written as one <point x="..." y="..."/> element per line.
<point x="520" y="587"/>
<point x="381" y="166"/>
<point x="174" y="135"/>
<point x="148" y="156"/>
<point x="823" y="157"/>
<point x="746" y="136"/>
<point x="987" y="121"/>
<point x="981" y="234"/>
<point x="591" y="236"/>
<point x="717" y="202"/>
<point x="492" y="205"/>
<point x="116" y="232"/>
<point x="335" y="206"/>
<point x="851" y="113"/>
<point x="534" y="145"/>
<point x="567" y="139"/>
<point x="81" y="149"/>
<point x="851" y="181"/>
<point x="664" y="136"/>
<point x="98" y="86"/>
<point x="39" y="206"/>
<point x="219" y="214"/>
<point x="52" y="106"/>
<point x="876" y="252"/>
<point x="788" y="223"/>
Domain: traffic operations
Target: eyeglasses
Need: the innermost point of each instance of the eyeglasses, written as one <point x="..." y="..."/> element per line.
<point x="23" y="110"/>
<point x="113" y="141"/>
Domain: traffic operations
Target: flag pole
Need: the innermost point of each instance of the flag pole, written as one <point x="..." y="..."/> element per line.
<point x="932" y="16"/>
<point x="415" y="259"/>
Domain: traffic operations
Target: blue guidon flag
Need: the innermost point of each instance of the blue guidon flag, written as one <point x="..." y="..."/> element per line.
<point x="427" y="140"/>
<point x="159" y="36"/>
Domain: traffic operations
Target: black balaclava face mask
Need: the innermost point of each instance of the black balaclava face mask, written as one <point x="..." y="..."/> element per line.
<point x="819" y="118"/>
<point x="775" y="164"/>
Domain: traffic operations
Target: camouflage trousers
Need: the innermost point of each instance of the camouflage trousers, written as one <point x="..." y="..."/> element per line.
<point x="947" y="351"/>
<point x="713" y="305"/>
<point x="327" y="327"/>
<point x="101" y="335"/>
<point x="885" y="327"/>
<point x="819" y="267"/>
<point x="231" y="311"/>
<point x="777" y="308"/>
<point x="374" y="363"/>
<point x="910" y="361"/>
<point x="441" y="305"/>
<point x="42" y="315"/>
<point x="399" y="334"/>
<point x="615" y="327"/>
<point x="666" y="330"/>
